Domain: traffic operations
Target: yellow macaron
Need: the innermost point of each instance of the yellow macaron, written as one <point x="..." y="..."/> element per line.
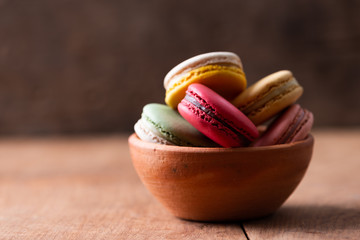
<point x="267" y="97"/>
<point x="220" y="71"/>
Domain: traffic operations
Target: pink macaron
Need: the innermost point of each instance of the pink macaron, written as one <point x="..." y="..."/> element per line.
<point x="216" y="118"/>
<point x="294" y="124"/>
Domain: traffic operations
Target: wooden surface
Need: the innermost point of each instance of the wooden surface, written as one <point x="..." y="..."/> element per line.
<point x="86" y="188"/>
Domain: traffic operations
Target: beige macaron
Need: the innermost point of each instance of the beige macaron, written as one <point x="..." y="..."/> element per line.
<point x="270" y="95"/>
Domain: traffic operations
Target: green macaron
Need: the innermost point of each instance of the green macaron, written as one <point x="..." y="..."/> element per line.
<point x="162" y="124"/>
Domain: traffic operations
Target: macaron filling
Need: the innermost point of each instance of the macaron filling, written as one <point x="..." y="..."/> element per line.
<point x="241" y="134"/>
<point x="180" y="74"/>
<point x="189" y="75"/>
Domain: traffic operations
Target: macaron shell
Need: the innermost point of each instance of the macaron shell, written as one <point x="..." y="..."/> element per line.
<point x="262" y="87"/>
<point x="304" y="131"/>
<point x="211" y="58"/>
<point x="208" y="126"/>
<point x="286" y="123"/>
<point x="273" y="107"/>
<point x="223" y="110"/>
<point x="145" y="133"/>
<point x="173" y="127"/>
<point x="228" y="81"/>
<point x="277" y="91"/>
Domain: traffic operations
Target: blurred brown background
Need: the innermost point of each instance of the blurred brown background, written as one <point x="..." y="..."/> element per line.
<point x="90" y="66"/>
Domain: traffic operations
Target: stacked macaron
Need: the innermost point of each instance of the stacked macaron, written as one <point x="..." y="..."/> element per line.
<point x="209" y="105"/>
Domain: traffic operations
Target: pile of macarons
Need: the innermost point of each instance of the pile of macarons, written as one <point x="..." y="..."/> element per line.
<point x="208" y="104"/>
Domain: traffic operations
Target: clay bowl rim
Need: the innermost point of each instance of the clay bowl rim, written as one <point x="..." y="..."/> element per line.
<point x="136" y="141"/>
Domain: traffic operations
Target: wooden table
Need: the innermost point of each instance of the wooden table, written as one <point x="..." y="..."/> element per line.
<point x="86" y="188"/>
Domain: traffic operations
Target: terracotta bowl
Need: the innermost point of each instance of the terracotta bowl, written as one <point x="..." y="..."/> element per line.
<point x="221" y="184"/>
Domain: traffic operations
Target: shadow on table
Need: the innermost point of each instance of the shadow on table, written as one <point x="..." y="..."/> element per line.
<point x="310" y="218"/>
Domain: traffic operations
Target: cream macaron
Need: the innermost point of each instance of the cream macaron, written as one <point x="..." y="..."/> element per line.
<point x="220" y="71"/>
<point x="267" y="97"/>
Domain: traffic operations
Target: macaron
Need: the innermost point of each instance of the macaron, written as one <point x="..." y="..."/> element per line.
<point x="294" y="124"/>
<point x="267" y="97"/>
<point x="161" y="124"/>
<point x="220" y="71"/>
<point x="216" y="117"/>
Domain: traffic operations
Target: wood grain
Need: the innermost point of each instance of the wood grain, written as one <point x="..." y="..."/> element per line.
<point x="86" y="188"/>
